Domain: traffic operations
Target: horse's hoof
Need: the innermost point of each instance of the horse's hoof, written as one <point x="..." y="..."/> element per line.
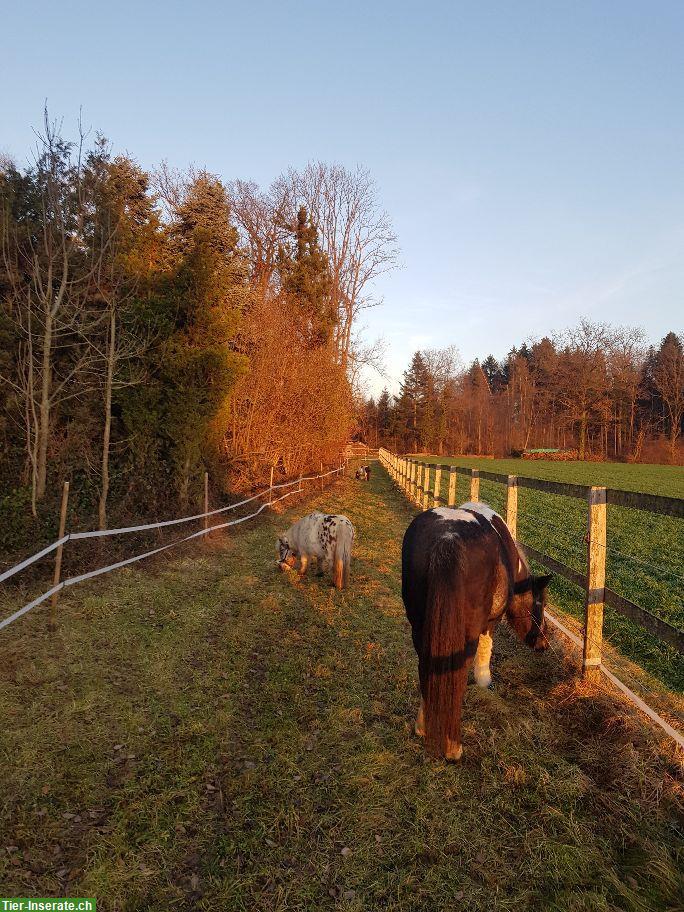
<point x="453" y="751"/>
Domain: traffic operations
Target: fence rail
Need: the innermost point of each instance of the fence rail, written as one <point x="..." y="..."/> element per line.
<point x="413" y="477"/>
<point x="58" y="545"/>
<point x="635" y="500"/>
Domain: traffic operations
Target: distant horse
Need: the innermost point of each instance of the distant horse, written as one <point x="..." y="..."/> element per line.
<point x="363" y="473"/>
<point x="461" y="572"/>
<point x="322" y="537"/>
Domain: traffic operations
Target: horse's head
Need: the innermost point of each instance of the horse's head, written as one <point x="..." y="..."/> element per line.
<point x="285" y="556"/>
<point x="526" y="613"/>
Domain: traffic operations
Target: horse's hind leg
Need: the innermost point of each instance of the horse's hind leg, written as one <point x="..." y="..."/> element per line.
<point x="453" y="746"/>
<point x="420" y="720"/>
<point x="481" y="671"/>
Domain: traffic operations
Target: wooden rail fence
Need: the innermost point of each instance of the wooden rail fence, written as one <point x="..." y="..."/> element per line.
<point x="413" y="477"/>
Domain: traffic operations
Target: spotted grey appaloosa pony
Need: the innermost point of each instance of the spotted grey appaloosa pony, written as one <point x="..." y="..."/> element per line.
<point x="324" y="537"/>
<point x="461" y="573"/>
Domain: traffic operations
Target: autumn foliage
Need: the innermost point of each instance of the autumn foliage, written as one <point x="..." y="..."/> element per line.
<point x="591" y="392"/>
<point x="154" y="326"/>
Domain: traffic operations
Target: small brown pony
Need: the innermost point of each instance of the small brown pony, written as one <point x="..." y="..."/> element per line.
<point x="461" y="573"/>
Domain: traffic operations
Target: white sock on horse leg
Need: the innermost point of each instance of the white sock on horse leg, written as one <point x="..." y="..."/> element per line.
<point x="420" y="720"/>
<point x="481" y="670"/>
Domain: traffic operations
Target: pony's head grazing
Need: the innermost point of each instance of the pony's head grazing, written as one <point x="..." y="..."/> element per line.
<point x="285" y="556"/>
<point x="525" y="613"/>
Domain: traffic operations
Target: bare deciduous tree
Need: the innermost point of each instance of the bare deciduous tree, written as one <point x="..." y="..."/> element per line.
<point x="355" y="233"/>
<point x="50" y="270"/>
<point x="668" y="377"/>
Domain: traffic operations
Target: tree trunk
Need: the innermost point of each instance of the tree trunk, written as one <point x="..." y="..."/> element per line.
<point x="674" y="434"/>
<point x="583" y="435"/>
<point x="109" y="383"/>
<point x="44" y="410"/>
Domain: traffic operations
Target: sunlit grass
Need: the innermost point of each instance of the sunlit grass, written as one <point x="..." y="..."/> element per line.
<point x="208" y="734"/>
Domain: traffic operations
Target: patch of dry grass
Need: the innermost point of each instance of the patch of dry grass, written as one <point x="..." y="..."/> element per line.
<point x="219" y="735"/>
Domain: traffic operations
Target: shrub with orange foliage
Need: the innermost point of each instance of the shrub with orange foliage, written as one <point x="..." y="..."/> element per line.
<point x="292" y="409"/>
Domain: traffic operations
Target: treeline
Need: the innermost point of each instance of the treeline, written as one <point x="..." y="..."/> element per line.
<point x="157" y="325"/>
<point x="596" y="390"/>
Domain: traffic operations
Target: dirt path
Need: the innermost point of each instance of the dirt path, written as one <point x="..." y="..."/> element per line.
<point x="211" y="734"/>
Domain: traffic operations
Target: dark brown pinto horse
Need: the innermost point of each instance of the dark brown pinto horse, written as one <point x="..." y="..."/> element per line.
<point x="461" y="573"/>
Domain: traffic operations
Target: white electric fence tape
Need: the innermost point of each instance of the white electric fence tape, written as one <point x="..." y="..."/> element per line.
<point x="33" y="558"/>
<point x="72" y="581"/>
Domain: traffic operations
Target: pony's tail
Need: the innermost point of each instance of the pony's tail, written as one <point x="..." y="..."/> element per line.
<point x="342" y="556"/>
<point x="444" y="659"/>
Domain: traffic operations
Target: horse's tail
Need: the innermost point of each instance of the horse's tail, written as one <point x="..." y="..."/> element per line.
<point x="444" y="647"/>
<point x="342" y="556"/>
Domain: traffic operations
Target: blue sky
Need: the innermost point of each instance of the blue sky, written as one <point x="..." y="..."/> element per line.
<point x="530" y="154"/>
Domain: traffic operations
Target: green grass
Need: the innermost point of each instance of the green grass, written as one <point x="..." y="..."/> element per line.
<point x="207" y="733"/>
<point x="649" y="479"/>
<point x="645" y="559"/>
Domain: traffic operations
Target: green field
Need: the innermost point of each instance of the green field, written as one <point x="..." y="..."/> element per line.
<point x="650" y="479"/>
<point x="645" y="552"/>
<point x="206" y="733"/>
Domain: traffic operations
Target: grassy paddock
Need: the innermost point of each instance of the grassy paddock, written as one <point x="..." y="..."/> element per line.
<point x="206" y="733"/>
<point x="645" y="559"/>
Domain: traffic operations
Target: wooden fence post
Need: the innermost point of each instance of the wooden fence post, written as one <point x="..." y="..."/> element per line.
<point x="206" y="500"/>
<point x="270" y="489"/>
<point x="52" y="623"/>
<point x="437" y="498"/>
<point x="419" y="483"/>
<point x="453" y="477"/>
<point x="512" y="506"/>
<point x="299" y="490"/>
<point x="596" y="581"/>
<point x="426" y="487"/>
<point x="474" y="485"/>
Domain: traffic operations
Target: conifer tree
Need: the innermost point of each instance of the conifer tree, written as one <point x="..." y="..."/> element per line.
<point x="305" y="279"/>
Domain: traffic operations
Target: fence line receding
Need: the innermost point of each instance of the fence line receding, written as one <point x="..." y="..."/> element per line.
<point x="65" y="537"/>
